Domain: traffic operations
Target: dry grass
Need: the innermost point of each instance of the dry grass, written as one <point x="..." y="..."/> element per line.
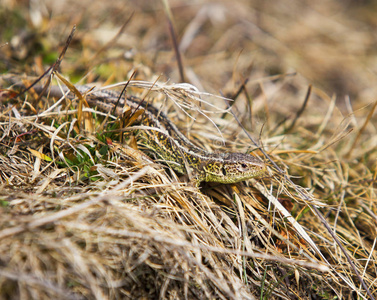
<point x="86" y="214"/>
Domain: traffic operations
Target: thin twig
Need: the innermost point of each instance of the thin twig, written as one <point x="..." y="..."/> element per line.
<point x="235" y="96"/>
<point x="174" y="39"/>
<point x="51" y="69"/>
<point x="371" y="112"/>
<point x="301" y="110"/>
<point x="114" y="39"/>
<point x="123" y="91"/>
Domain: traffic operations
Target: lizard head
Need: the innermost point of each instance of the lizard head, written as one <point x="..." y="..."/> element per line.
<point x="234" y="167"/>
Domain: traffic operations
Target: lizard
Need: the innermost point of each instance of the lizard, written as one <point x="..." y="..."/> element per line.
<point x="165" y="139"/>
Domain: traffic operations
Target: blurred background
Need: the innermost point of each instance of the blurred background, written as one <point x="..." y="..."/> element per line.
<point x="330" y="44"/>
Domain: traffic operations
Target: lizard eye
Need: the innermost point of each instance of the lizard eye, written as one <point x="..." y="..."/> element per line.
<point x="243" y="167"/>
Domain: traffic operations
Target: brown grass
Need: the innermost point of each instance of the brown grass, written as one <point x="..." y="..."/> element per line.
<point x="86" y="214"/>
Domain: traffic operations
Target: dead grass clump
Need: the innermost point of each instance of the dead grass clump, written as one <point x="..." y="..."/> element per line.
<point x="103" y="220"/>
<point x="85" y="213"/>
